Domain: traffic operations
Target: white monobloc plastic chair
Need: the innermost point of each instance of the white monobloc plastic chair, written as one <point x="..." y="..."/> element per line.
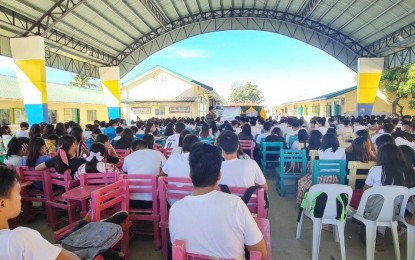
<point x="385" y="218"/>
<point x="329" y="216"/>
<point x="410" y="229"/>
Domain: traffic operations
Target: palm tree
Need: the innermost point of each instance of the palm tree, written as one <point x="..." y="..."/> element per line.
<point x="82" y="81"/>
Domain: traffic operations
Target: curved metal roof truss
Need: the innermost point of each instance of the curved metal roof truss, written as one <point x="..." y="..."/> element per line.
<point x="82" y="35"/>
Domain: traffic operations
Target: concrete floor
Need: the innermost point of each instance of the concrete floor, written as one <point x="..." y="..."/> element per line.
<point x="282" y="215"/>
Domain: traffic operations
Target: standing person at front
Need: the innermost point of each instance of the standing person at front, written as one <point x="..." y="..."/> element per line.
<point x="211" y="116"/>
<point x="223" y="234"/>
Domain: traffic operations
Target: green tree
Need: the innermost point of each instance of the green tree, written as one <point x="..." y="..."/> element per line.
<point x="82" y="81"/>
<point x="399" y="84"/>
<point x="248" y="93"/>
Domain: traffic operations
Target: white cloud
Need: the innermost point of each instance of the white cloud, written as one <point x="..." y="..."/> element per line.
<point x="185" y="53"/>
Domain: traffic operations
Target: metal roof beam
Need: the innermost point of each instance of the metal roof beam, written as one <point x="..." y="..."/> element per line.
<point x="393" y="40"/>
<point x="53" y="16"/>
<point x="332" y="34"/>
<point x="24" y="23"/>
<point x="309" y="8"/>
<point x="155" y="12"/>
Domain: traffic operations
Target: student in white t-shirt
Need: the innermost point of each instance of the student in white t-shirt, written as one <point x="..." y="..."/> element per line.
<point x="178" y="164"/>
<point x="321" y="126"/>
<point x="173" y="140"/>
<point x="346" y="127"/>
<point x="23" y="132"/>
<point x="21" y="242"/>
<point x="144" y="160"/>
<point x="267" y="132"/>
<point x="230" y="228"/>
<point x="236" y="172"/>
<point x="357" y="125"/>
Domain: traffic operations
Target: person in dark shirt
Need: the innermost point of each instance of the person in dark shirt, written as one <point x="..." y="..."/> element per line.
<point x="66" y="158"/>
<point x="275" y="136"/>
<point x="126" y="140"/>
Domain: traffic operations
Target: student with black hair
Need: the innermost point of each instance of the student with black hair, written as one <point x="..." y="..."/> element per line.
<point x="246" y="133"/>
<point x="6" y="135"/>
<point x="16" y="151"/>
<point x="346" y="127"/>
<point x="403" y="138"/>
<point x="143" y="160"/>
<point x="66" y="158"/>
<point x="23" y="132"/>
<point x="205" y="133"/>
<point x="96" y="162"/>
<point x="21" y="242"/>
<point x="218" y="236"/>
<point x="178" y="164"/>
<point x="301" y="143"/>
<point x="179" y="148"/>
<point x="48" y="130"/>
<point x="37" y="154"/>
<point x="35" y="131"/>
<point x="125" y="141"/>
<point x="169" y="130"/>
<point x="110" y="131"/>
<point x="112" y="154"/>
<point x="267" y="132"/>
<point x="236" y="172"/>
<point x="119" y="131"/>
<point x="329" y="150"/>
<point x="81" y="147"/>
<point x="173" y="140"/>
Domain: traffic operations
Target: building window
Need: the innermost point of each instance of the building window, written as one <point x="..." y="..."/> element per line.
<point x="71" y="114"/>
<point x="19" y="115"/>
<point x="53" y="116"/>
<point x="5" y="116"/>
<point x="155" y="78"/>
<point x="163" y="78"/>
<point x="91" y="115"/>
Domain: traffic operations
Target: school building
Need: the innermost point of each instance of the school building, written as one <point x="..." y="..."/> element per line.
<point x="161" y="92"/>
<point x="65" y="103"/>
<point x="342" y="102"/>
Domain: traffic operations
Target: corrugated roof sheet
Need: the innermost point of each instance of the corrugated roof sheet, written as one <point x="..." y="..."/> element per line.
<point x="325" y="96"/>
<point x="177" y="99"/>
<point x="56" y="92"/>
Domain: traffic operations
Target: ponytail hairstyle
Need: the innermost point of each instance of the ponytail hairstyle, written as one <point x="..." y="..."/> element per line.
<point x="98" y="153"/>
<point x="34" y="151"/>
<point x="394" y="166"/>
<point x="303" y="137"/>
<point x="62" y="160"/>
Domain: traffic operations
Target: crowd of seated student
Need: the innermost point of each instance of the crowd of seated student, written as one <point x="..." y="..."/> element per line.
<point x="237" y="169"/>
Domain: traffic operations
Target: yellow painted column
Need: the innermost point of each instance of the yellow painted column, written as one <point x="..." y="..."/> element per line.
<point x="369" y="73"/>
<point x="110" y="79"/>
<point x="29" y="55"/>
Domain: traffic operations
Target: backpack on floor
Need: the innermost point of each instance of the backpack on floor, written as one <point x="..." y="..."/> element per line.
<point x="92" y="239"/>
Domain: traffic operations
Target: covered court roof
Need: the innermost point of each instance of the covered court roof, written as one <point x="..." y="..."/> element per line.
<point x="82" y="35"/>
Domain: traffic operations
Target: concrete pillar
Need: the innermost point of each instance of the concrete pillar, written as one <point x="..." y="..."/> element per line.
<point x="368" y="78"/>
<point x="29" y="56"/>
<point x="110" y="79"/>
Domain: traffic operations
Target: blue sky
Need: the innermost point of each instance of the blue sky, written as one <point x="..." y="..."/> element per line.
<point x="284" y="69"/>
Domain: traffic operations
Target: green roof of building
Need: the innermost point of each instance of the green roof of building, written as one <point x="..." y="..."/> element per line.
<point x="325" y="96"/>
<point x="9" y="87"/>
<point x="173" y="73"/>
